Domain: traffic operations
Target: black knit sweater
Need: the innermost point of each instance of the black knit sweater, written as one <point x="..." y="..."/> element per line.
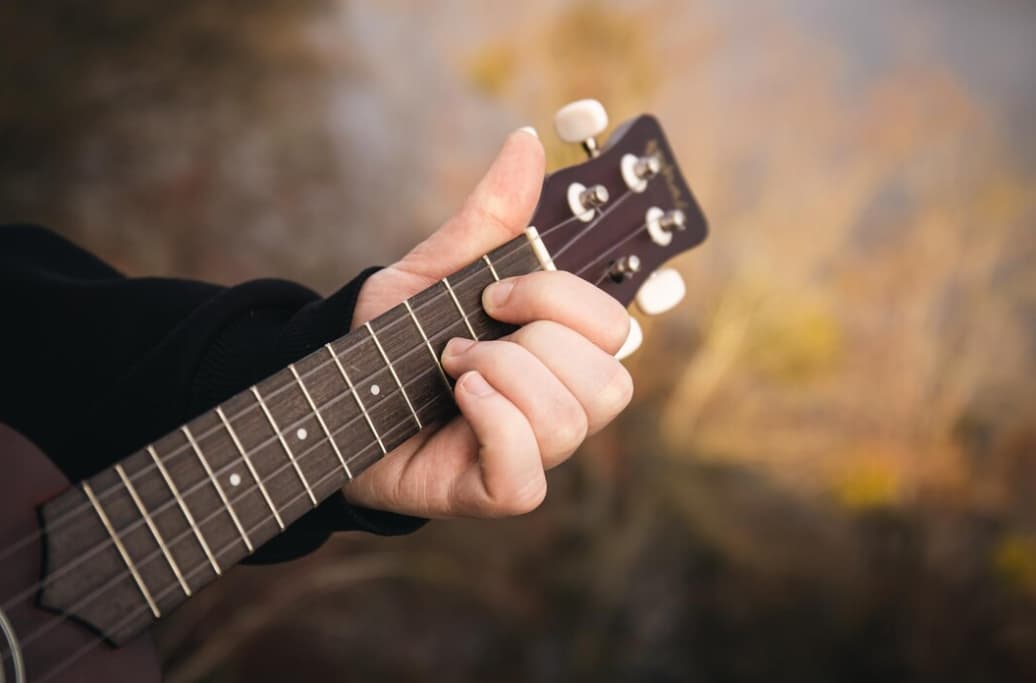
<point x="93" y="364"/>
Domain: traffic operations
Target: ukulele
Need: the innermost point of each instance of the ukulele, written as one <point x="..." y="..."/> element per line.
<point x="86" y="568"/>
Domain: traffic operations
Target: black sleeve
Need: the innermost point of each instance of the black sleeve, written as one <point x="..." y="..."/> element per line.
<point x="94" y="364"/>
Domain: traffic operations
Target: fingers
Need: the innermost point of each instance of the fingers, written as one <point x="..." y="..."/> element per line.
<point x="563" y="298"/>
<point x="557" y="419"/>
<point x="601" y="384"/>
<point x="510" y="479"/>
<point x="498" y="209"/>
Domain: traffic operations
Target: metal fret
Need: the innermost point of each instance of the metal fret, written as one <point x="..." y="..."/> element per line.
<point x="219" y="489"/>
<point x="463" y="315"/>
<point x="402" y="390"/>
<point x="356" y="396"/>
<point x="183" y="508"/>
<point x="485" y="257"/>
<point x="122" y="550"/>
<point x="320" y="419"/>
<point x="284" y="443"/>
<point x="428" y="344"/>
<point x="154" y="530"/>
<point x="248" y="464"/>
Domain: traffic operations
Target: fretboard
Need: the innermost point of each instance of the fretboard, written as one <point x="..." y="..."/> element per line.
<point x="131" y="543"/>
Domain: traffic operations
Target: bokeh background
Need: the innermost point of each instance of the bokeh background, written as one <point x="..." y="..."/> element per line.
<point x="829" y="469"/>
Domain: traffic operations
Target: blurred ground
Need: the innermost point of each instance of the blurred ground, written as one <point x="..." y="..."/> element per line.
<point x="829" y="468"/>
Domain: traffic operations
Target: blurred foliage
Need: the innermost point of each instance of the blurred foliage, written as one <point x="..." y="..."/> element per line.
<point x="1015" y="560"/>
<point x="828" y="470"/>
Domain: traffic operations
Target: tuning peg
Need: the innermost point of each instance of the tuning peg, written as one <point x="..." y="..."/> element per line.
<point x="662" y="290"/>
<point x="633" y="340"/>
<point x="661" y="224"/>
<point x="585" y="200"/>
<point x="637" y="171"/>
<point x="580" y="121"/>
<point x="624" y="268"/>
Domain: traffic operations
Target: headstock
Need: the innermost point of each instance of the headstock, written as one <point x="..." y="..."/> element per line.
<point x="614" y="219"/>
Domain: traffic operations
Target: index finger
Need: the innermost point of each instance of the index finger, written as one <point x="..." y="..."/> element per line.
<point x="564" y="298"/>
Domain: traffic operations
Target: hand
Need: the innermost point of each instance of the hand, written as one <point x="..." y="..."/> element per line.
<point x="527" y="401"/>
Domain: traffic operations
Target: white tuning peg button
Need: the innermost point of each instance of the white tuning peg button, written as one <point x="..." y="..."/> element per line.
<point x="580" y="122"/>
<point x="662" y="290"/>
<point x="633" y="340"/>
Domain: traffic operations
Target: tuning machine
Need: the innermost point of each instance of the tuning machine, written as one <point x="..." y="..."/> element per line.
<point x="624" y="268"/>
<point x="661" y="224"/>
<point x="637" y="171"/>
<point x="580" y="122"/>
<point x="584" y="201"/>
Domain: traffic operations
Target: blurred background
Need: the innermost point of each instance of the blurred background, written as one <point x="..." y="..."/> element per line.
<point x="829" y="469"/>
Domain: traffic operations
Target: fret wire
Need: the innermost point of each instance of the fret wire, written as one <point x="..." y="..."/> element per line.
<point x="287" y="449"/>
<point x="191" y="572"/>
<point x="520" y="247"/>
<point x="151" y="525"/>
<point x="186" y="512"/>
<point x="122" y="550"/>
<point x="462" y="313"/>
<point x="219" y="489"/>
<point x="320" y="418"/>
<point x="215" y="565"/>
<point x="485" y="257"/>
<point x="356" y="396"/>
<point x="427" y="343"/>
<point x="173" y="488"/>
<point x="248" y="464"/>
<point x="402" y="390"/>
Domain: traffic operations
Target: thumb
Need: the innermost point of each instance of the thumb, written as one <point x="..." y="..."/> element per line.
<point x="498" y="210"/>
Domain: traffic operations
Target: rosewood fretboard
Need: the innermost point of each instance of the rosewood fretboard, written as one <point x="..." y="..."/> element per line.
<point x="131" y="543"/>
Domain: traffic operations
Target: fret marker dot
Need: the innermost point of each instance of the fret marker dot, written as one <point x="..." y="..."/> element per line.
<point x="235" y="479"/>
<point x="375" y="389"/>
<point x="302" y="433"/>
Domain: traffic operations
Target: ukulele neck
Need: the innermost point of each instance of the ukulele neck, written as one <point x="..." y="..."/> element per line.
<point x="161" y="524"/>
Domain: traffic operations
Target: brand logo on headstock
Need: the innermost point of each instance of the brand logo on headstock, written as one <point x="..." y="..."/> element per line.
<point x="669" y="173"/>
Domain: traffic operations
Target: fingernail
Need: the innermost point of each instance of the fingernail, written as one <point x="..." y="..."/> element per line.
<point x="475" y="383"/>
<point x="457" y="346"/>
<point x="495" y="295"/>
<point x="530" y="130"/>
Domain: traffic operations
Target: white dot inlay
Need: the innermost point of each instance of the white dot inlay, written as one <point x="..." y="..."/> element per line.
<point x="375" y="389"/>
<point x="302" y="433"/>
<point x="235" y="479"/>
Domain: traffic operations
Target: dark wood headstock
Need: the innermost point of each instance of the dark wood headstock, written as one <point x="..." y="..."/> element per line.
<point x="618" y="227"/>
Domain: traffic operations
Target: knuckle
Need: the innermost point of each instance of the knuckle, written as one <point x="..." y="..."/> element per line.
<point x="498" y="352"/>
<point x="569" y="426"/>
<point x="617" y="391"/>
<point x="537" y="329"/>
<point x="510" y="350"/>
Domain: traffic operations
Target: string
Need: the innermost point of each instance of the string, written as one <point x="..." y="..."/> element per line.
<point x="186" y="534"/>
<point x="591" y="225"/>
<point x="162" y="593"/>
<point x="610" y="251"/>
<point x="285" y="466"/>
<point x="101" y="496"/>
<point x="203" y="483"/>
